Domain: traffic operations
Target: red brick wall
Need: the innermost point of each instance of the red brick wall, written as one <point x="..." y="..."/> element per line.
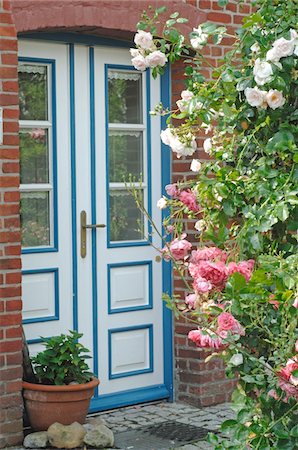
<point x="11" y="408"/>
<point x="197" y="382"/>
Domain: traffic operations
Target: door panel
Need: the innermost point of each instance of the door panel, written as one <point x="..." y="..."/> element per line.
<point x="45" y="205"/>
<point x="113" y="293"/>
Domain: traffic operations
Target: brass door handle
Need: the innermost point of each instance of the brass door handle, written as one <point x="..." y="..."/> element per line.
<point x="84" y="227"/>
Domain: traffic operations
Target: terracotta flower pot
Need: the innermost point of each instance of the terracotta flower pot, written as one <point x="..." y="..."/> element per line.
<point x="46" y="404"/>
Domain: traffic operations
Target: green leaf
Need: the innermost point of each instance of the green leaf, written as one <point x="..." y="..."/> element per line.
<point x="170" y="22"/>
<point x="282" y="211"/>
<point x="294" y="430"/>
<point x="182" y="20"/>
<point x="212" y="438"/>
<point x="174" y="15"/>
<point x="160" y="10"/>
<point x="281" y="431"/>
<point x="229" y="208"/>
<point x="227" y="424"/>
<point x="255" y="241"/>
<point x="222" y="3"/>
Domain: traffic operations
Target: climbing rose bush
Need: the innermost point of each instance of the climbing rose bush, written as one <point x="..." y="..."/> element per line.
<point x="240" y="270"/>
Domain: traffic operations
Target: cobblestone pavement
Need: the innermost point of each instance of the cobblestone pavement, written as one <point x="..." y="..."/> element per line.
<point x="135" y="417"/>
<point x="125" y="422"/>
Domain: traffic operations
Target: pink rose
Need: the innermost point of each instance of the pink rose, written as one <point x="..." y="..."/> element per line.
<point x="216" y="273"/>
<point x="245" y="268"/>
<point x="227" y="322"/>
<point x="170" y="228"/>
<point x="172" y="190"/>
<point x="287" y="382"/>
<point x="190" y="300"/>
<point x="208" y="339"/>
<point x="272" y="393"/>
<point x="295" y="303"/>
<point x="189" y="199"/>
<point x="208" y="254"/>
<point x="179" y="248"/>
<point x="201" y="286"/>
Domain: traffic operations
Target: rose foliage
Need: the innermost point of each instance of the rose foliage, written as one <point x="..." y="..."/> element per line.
<point x="241" y="274"/>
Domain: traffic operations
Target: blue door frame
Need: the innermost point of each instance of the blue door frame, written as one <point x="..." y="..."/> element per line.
<point x="150" y="393"/>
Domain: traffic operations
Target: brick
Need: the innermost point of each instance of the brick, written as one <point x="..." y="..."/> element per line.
<point x="11" y="167"/>
<point x="14" y="439"/>
<point x="14" y="359"/>
<point x="11" y="346"/>
<point x="11" y="374"/>
<point x="13" y="250"/>
<point x="10" y="59"/>
<point x="14" y="305"/>
<point x="9" y="209"/>
<point x="204" y="4"/>
<point x="11" y="113"/>
<point x="9" y="153"/>
<point x="9" y="99"/>
<point x="10" y="236"/>
<point x="8" y="72"/>
<point x="238" y="20"/>
<point x="13" y="278"/>
<point x="11" y="127"/>
<point x="12" y="223"/>
<point x="9" y="319"/>
<point x="12" y="196"/>
<point x="14" y="413"/>
<point x="11" y="427"/>
<point x="9" y="181"/>
<point x="5" y="18"/>
<point x="8" y="31"/>
<point x="8" y="44"/>
<point x="13" y="386"/>
<point x="10" y="139"/>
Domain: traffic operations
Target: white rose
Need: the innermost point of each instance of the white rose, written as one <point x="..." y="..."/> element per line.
<point x="255" y="97"/>
<point x="218" y="197"/>
<point x="275" y="99"/>
<point x="167" y="136"/>
<point x="283" y="47"/>
<point x="162" y="203"/>
<point x="272" y="55"/>
<point x="195" y="165"/>
<point x="262" y="71"/>
<point x="207" y="146"/>
<point x="134" y="52"/>
<point x="183" y="149"/>
<point x="196" y="43"/>
<point x="143" y="39"/>
<point x="236" y="359"/>
<point x="139" y="62"/>
<point x="156" y="58"/>
<point x="255" y="48"/>
<point x="296" y="50"/>
<point x="200" y="225"/>
<point x="186" y="95"/>
<point x="293" y="34"/>
<point x="182" y="105"/>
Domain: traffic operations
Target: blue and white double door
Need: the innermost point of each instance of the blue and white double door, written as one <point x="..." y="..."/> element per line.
<point x="87" y="260"/>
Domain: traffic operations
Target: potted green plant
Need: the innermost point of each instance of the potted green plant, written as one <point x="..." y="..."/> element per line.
<point x="63" y="384"/>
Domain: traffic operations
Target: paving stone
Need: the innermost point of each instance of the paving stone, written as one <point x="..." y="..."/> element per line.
<point x="132" y="418"/>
